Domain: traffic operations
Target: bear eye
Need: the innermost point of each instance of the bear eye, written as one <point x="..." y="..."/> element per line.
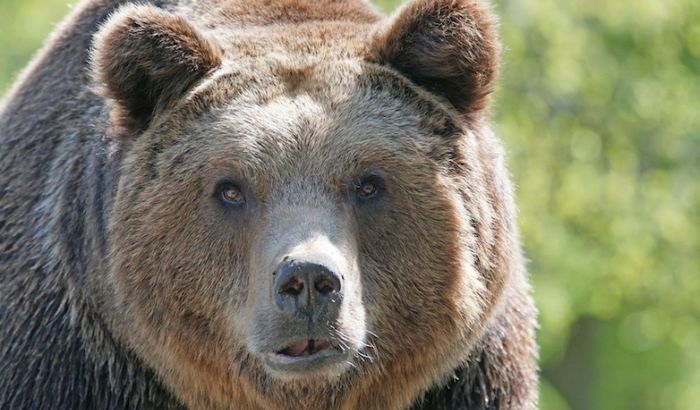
<point x="231" y="194"/>
<point x="368" y="187"/>
<point x="367" y="190"/>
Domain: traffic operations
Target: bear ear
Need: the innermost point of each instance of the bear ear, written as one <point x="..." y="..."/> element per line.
<point x="145" y="58"/>
<point x="449" y="47"/>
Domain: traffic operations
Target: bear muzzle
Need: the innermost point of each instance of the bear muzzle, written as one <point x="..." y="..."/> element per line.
<point x="307" y="295"/>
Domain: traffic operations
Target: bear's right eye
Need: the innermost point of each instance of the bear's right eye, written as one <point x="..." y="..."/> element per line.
<point x="231" y="194"/>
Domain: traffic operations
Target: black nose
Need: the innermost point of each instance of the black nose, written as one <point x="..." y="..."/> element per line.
<point x="307" y="289"/>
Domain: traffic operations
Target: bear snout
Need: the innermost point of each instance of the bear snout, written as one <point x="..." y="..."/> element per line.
<point x="307" y="296"/>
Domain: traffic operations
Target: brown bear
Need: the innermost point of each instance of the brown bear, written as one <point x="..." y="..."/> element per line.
<point x="280" y="204"/>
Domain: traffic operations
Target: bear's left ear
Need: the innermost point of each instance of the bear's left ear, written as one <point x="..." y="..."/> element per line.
<point x="449" y="47"/>
<point x="145" y="58"/>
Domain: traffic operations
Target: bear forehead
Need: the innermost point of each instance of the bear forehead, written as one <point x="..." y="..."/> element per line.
<point x="276" y="111"/>
<point x="312" y="103"/>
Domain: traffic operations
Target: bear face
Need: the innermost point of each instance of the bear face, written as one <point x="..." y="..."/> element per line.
<point x="293" y="228"/>
<point x="192" y="265"/>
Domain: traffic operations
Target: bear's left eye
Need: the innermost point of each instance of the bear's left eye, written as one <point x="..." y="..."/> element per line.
<point x="367" y="190"/>
<point x="369" y="187"/>
<point x="231" y="194"/>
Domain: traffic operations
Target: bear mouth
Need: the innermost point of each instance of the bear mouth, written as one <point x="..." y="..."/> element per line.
<point x="305" y="348"/>
<point x="306" y="356"/>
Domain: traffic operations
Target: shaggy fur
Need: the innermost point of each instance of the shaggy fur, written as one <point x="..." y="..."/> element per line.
<point x="124" y="281"/>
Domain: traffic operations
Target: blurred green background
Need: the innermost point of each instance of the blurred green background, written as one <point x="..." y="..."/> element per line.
<point x="599" y="108"/>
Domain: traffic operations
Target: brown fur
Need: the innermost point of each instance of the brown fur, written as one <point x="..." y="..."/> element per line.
<point x="118" y="259"/>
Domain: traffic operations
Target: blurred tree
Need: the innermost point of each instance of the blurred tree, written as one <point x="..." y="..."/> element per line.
<point x="599" y="108"/>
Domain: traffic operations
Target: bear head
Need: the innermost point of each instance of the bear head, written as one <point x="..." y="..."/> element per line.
<point x="295" y="226"/>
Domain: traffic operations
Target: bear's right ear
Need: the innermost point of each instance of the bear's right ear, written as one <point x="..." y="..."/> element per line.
<point x="145" y="58"/>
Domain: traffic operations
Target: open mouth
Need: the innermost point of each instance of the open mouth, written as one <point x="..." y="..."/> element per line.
<point x="305" y="356"/>
<point x="305" y="348"/>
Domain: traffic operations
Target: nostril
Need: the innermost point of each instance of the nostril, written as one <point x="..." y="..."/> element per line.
<point x="325" y="284"/>
<point x="293" y="287"/>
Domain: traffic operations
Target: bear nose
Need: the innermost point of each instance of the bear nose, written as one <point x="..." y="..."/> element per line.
<point x="307" y="288"/>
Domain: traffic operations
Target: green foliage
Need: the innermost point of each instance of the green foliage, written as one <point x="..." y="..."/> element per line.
<point x="600" y="111"/>
<point x="25" y="24"/>
<point x="599" y="108"/>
